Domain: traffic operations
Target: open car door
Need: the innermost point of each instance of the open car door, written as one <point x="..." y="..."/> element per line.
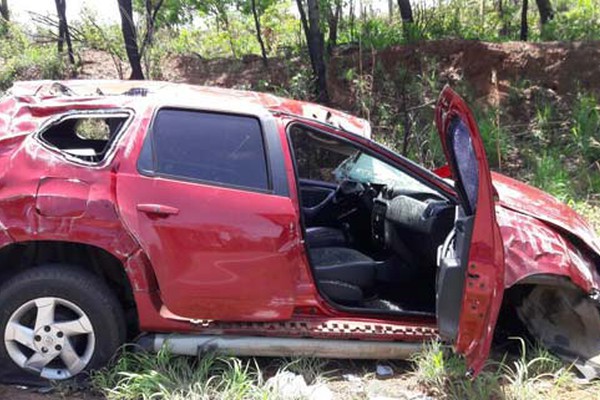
<point x="470" y="280"/>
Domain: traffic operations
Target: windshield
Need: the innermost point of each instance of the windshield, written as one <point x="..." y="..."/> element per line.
<point x="324" y="158"/>
<point x="364" y="168"/>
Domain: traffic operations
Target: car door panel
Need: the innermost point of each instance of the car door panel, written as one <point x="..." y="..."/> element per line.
<point x="218" y="252"/>
<point x="471" y="278"/>
<point x="224" y="254"/>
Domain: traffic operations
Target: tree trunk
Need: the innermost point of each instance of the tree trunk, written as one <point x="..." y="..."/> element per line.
<point x="151" y="13"/>
<point x="333" y="18"/>
<point x="390" y="9"/>
<point x="524" y="26"/>
<point x="224" y="19"/>
<point x="315" y="42"/>
<point x="405" y="11"/>
<point x="263" y="51"/>
<point x="545" y="9"/>
<point x="407" y="17"/>
<point x="63" y="30"/>
<point x="4" y="10"/>
<point x="504" y="27"/>
<point x="130" y="39"/>
<point x="351" y="18"/>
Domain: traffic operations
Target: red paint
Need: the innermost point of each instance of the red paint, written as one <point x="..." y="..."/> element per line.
<point x="484" y="286"/>
<point x="213" y="253"/>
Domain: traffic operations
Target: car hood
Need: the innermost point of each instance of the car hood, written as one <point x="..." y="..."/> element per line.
<point x="525" y="199"/>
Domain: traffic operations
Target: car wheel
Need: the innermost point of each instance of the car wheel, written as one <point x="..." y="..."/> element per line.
<point x="57" y="322"/>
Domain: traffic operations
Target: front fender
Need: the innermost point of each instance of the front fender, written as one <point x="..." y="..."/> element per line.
<point x="532" y="247"/>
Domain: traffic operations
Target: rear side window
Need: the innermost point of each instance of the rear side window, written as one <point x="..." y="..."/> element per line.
<point x="85" y="137"/>
<point x="216" y="148"/>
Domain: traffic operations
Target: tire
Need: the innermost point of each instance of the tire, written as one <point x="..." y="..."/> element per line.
<point x="79" y="327"/>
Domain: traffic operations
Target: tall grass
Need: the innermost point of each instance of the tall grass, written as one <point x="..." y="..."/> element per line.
<point x="140" y="375"/>
<point x="531" y="373"/>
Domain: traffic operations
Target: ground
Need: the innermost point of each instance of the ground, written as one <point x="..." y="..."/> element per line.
<point x="346" y="380"/>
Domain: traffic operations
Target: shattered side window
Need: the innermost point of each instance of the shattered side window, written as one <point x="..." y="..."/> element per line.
<point x="318" y="156"/>
<point x="85" y="137"/>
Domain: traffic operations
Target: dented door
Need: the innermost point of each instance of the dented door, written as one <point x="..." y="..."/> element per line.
<point x="471" y="275"/>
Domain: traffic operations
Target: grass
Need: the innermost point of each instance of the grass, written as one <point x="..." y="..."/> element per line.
<point x="530" y="372"/>
<point x="141" y="375"/>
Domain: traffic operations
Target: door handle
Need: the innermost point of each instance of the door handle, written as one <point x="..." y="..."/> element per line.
<point x="157" y="209"/>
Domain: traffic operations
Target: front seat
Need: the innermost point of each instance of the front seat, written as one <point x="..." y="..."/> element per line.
<point x="344" y="275"/>
<point x="324" y="236"/>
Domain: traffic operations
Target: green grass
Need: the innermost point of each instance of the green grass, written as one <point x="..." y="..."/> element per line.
<point x="529" y="373"/>
<point x="140" y="375"/>
<point x="532" y="373"/>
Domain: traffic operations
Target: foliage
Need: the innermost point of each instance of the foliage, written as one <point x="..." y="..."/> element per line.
<point x="19" y="59"/>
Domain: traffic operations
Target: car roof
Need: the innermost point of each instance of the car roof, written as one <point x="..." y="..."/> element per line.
<point x="120" y="93"/>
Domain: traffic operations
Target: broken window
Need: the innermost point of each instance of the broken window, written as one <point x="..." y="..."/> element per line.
<point x="85" y="137"/>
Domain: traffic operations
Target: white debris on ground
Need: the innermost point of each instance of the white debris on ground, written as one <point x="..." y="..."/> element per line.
<point x="289" y="386"/>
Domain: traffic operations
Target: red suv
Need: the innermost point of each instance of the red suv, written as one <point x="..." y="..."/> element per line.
<point x="255" y="225"/>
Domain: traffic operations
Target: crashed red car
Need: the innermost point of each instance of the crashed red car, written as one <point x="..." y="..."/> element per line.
<point x="248" y="224"/>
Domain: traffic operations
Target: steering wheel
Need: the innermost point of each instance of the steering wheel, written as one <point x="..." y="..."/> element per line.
<point x="341" y="192"/>
<point x="347" y="189"/>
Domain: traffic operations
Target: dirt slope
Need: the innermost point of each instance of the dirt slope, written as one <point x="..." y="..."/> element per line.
<point x="488" y="67"/>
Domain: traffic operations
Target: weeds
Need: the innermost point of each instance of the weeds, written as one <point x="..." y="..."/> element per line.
<point x="141" y="375"/>
<point x="585" y="128"/>
<point x="551" y="176"/>
<point x="521" y="376"/>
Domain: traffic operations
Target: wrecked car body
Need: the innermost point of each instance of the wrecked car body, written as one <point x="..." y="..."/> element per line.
<point x="240" y="222"/>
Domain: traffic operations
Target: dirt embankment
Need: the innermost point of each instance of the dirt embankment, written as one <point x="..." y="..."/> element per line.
<point x="490" y="69"/>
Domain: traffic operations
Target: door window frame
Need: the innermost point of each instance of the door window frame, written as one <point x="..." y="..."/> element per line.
<point x="146" y="164"/>
<point x="405" y="166"/>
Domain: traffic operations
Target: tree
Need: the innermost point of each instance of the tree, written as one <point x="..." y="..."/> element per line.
<point x="151" y="12"/>
<point x="130" y="39"/>
<point x="407" y="17"/>
<point x="63" y="29"/>
<point x="524" y="26"/>
<point x="545" y="9"/>
<point x="501" y="15"/>
<point x="4" y="10"/>
<point x="334" y="13"/>
<point x="316" y="46"/>
<point x="256" y="15"/>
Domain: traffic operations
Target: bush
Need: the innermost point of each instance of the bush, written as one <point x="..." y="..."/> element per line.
<point x="20" y="59"/>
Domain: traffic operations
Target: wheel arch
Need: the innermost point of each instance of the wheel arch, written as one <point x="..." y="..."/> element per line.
<point x="124" y="275"/>
<point x="557" y="312"/>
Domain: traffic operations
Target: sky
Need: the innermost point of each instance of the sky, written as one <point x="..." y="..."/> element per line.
<point x="105" y="10"/>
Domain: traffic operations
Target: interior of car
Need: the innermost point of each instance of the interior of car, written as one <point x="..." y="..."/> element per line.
<point x="84" y="137"/>
<point x="372" y="231"/>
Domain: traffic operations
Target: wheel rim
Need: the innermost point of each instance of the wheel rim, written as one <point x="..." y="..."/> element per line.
<point x="51" y="337"/>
